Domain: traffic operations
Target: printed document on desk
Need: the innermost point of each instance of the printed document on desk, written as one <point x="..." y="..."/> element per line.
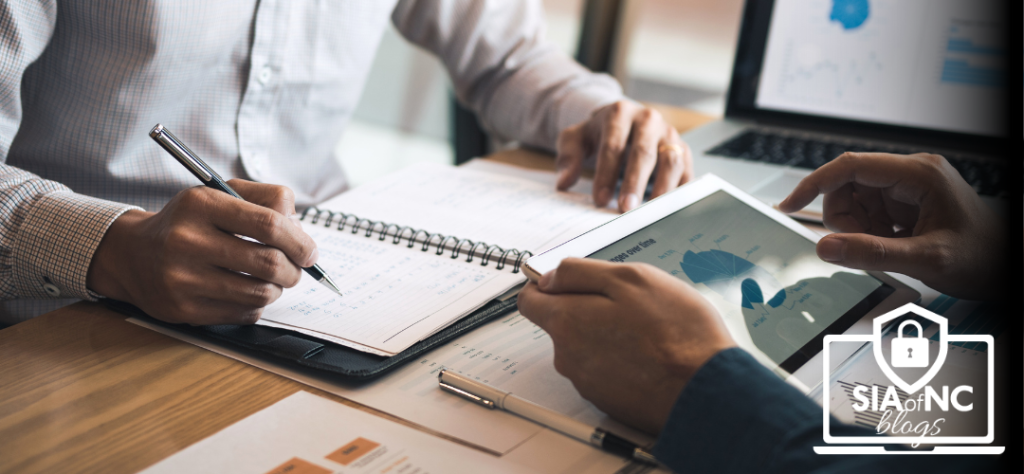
<point x="397" y="294"/>
<point x="412" y="393"/>
<point x="307" y="434"/>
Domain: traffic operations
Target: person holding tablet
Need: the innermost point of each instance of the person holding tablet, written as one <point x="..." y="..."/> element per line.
<point x="653" y="352"/>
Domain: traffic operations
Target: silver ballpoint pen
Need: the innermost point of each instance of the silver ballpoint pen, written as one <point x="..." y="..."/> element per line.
<point x="493" y="398"/>
<point x="210" y="178"/>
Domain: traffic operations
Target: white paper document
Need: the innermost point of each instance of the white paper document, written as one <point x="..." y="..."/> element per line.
<point x="501" y="208"/>
<point x="393" y="296"/>
<point x="307" y="434"/>
<point x="513" y="354"/>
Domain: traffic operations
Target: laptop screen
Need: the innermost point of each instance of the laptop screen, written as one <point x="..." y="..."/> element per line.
<point x="934" y="65"/>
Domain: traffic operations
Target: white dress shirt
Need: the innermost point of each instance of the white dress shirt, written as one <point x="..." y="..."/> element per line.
<point x="262" y="90"/>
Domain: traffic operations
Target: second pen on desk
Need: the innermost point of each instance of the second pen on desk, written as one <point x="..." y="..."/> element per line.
<point x="490" y="397"/>
<point x="211" y="179"/>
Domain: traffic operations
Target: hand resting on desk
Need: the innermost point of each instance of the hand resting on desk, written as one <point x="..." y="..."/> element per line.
<point x="182" y="264"/>
<point x="624" y="136"/>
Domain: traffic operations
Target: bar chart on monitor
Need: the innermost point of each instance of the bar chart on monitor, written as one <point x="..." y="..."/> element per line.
<point x="975" y="55"/>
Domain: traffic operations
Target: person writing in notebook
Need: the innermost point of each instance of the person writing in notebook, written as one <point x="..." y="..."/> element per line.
<point x="262" y="91"/>
<point x="651" y="351"/>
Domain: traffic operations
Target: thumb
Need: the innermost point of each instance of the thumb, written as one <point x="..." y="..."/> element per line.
<point x="869" y="252"/>
<point x="579" y="275"/>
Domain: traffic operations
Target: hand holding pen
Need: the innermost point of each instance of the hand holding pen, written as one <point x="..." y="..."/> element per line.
<point x="185" y="264"/>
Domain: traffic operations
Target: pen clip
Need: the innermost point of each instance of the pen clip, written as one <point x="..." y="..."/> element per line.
<point x="468" y="396"/>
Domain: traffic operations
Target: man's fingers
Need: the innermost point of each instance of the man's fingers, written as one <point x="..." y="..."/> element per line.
<point x="688" y="173"/>
<point x="263" y="262"/>
<point x="869" y="252"/>
<point x="579" y="275"/>
<point x="648" y="128"/>
<point x="673" y="162"/>
<point x="240" y="290"/>
<point x="572" y="151"/>
<point x="278" y="198"/>
<point x="265" y="225"/>
<point x="614" y="135"/>
<point x="879" y="170"/>
<point x="553" y="312"/>
<point x="842" y="213"/>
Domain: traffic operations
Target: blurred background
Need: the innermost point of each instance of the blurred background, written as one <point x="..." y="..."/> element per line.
<point x="673" y="52"/>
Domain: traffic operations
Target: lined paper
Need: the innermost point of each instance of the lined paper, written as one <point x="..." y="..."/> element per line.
<point x="395" y="296"/>
<point x="509" y="211"/>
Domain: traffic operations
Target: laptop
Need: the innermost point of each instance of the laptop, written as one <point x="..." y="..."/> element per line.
<point x="815" y="78"/>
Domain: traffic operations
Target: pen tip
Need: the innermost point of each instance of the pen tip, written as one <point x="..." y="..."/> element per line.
<point x="156" y="130"/>
<point x="330" y="284"/>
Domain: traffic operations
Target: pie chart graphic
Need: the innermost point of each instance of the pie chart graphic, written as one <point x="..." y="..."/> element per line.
<point x="732" y="276"/>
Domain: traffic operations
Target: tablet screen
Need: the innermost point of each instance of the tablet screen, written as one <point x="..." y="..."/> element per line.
<point x="766" y="281"/>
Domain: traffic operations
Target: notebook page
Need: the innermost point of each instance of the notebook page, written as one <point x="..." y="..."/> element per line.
<point x="394" y="296"/>
<point x="505" y="210"/>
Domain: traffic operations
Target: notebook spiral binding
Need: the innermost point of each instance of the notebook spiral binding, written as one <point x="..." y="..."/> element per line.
<point x="414" y="236"/>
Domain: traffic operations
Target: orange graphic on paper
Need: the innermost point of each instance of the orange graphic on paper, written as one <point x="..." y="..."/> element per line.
<point x="395" y="464"/>
<point x="352" y="451"/>
<point x="299" y="466"/>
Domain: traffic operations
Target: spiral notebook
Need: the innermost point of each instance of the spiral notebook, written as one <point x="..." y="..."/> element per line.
<point x="422" y="248"/>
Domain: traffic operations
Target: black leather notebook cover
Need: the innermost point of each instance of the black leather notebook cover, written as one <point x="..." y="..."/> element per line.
<point x="306" y="351"/>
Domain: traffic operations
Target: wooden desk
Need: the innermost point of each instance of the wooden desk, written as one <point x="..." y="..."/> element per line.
<point x="82" y="390"/>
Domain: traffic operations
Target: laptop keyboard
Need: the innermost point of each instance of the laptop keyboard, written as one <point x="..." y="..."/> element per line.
<point x="987" y="178"/>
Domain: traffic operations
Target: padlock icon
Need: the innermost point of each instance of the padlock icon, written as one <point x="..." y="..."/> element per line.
<point x="909" y="351"/>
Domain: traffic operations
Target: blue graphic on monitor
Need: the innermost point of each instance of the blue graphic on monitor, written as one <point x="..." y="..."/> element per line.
<point x="850" y="13"/>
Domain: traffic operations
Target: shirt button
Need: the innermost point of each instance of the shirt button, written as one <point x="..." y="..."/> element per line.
<point x="51" y="289"/>
<point x="265" y="74"/>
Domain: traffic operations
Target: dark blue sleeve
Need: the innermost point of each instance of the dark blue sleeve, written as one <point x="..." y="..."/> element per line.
<point x="735" y="415"/>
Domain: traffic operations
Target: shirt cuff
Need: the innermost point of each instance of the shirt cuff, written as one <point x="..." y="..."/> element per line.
<point x="599" y="91"/>
<point x="56" y="243"/>
<point x="733" y="405"/>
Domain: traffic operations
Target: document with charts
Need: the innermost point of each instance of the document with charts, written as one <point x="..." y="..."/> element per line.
<point x="419" y="249"/>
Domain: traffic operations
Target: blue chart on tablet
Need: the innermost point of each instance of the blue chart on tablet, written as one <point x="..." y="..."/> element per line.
<point x="716" y="268"/>
<point x="773" y="291"/>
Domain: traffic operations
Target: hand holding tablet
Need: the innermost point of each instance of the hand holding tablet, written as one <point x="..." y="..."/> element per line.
<point x="756" y="266"/>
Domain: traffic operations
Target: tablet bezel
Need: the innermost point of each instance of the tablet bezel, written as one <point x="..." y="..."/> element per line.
<point x="857" y="320"/>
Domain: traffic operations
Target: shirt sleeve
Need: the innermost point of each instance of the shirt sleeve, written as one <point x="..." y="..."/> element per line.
<point x="520" y="86"/>
<point x="736" y="416"/>
<point x="48" y="234"/>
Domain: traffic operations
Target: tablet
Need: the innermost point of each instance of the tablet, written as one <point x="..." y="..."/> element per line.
<point x="757" y="266"/>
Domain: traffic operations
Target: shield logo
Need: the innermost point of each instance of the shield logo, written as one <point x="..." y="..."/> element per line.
<point x="883" y="363"/>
